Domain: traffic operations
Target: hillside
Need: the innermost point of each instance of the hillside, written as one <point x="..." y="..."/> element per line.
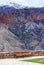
<point x="26" y="23"/>
<point x="8" y="41"/>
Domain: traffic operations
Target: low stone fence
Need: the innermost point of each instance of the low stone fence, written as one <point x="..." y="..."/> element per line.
<point x="37" y="53"/>
<point x="6" y="55"/>
<point x="18" y="54"/>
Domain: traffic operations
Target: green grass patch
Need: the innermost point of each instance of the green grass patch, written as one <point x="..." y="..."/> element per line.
<point x="38" y="60"/>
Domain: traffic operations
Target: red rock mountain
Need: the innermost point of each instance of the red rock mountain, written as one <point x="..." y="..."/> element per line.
<point x="21" y="15"/>
<point x="29" y="22"/>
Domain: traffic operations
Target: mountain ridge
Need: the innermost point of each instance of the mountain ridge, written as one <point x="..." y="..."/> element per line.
<point x="12" y="15"/>
<point x="27" y="24"/>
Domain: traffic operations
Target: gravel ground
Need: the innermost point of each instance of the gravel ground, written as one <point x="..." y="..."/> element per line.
<point x="18" y="62"/>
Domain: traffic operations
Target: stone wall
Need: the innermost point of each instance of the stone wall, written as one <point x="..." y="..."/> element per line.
<point x="21" y="54"/>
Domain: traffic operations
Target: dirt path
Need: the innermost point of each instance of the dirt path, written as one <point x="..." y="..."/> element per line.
<point x="30" y="57"/>
<point x="17" y="61"/>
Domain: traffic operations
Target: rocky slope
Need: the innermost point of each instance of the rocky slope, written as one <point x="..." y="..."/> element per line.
<point x="27" y="24"/>
<point x="8" y="41"/>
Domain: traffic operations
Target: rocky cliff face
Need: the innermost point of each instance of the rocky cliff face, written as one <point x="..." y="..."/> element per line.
<point x="27" y="24"/>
